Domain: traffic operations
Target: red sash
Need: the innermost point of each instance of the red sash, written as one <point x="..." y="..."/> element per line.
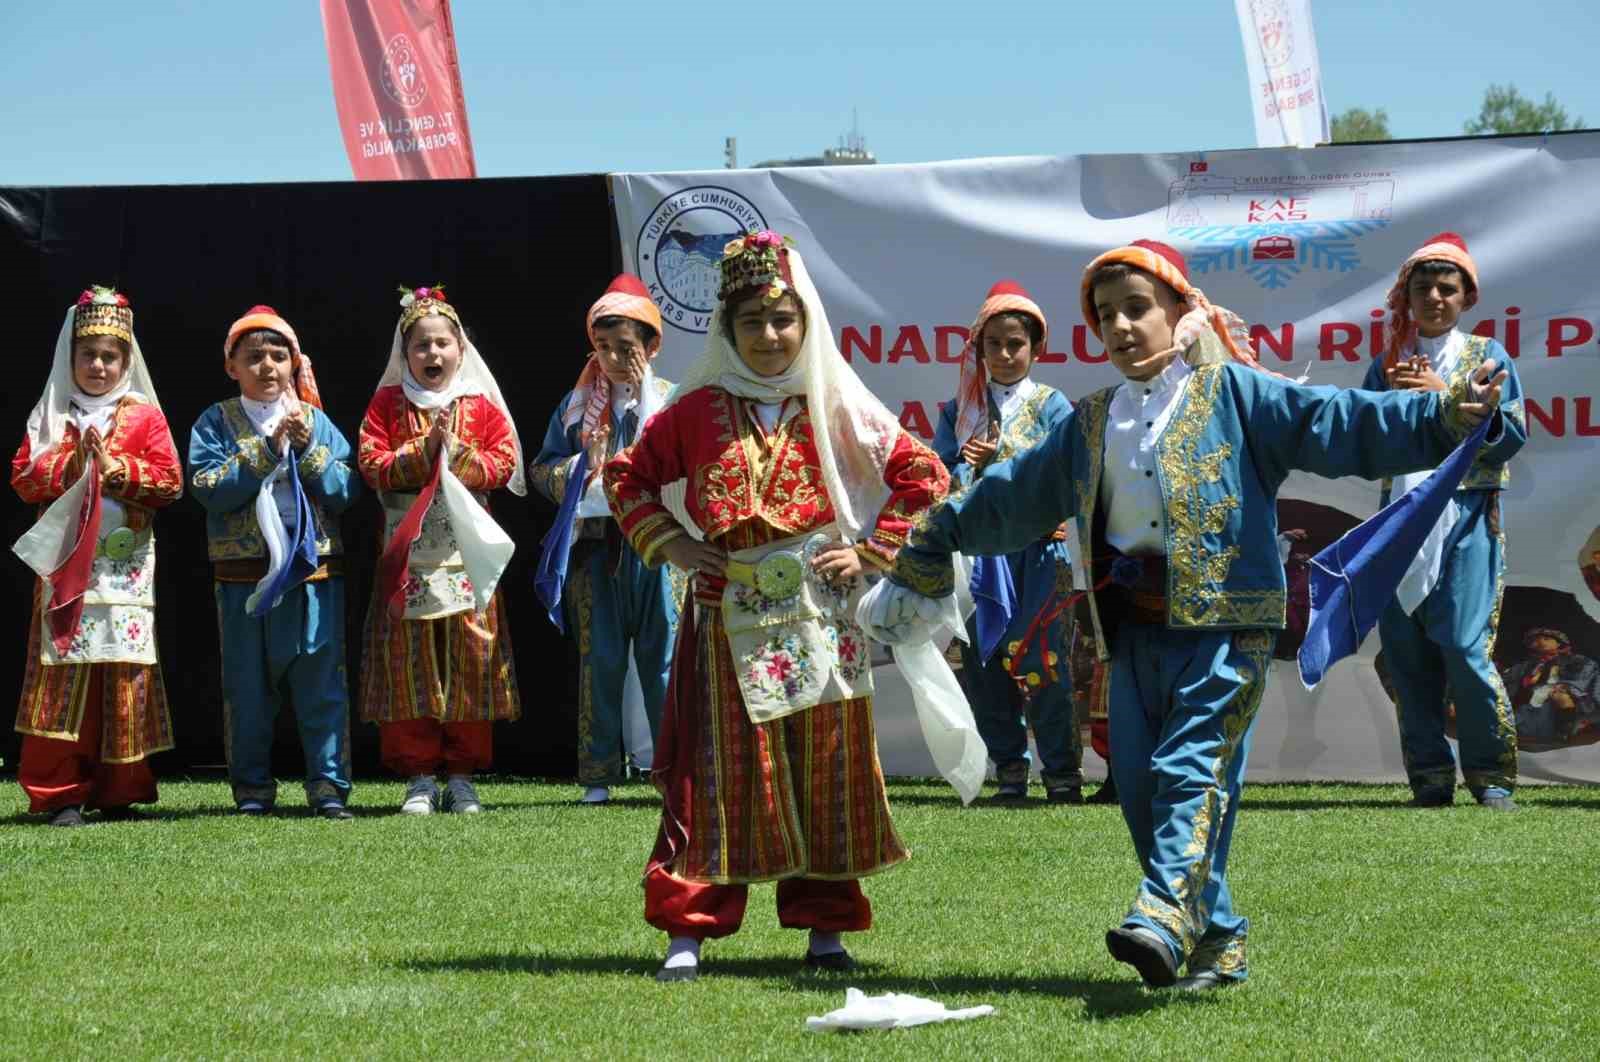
<point x="69" y="582"/>
<point x="396" y="559"/>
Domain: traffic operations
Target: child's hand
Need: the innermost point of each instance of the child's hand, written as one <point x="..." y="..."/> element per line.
<point x="297" y="428"/>
<point x="1414" y="374"/>
<point x="637" y="365"/>
<point x="979" y="452"/>
<point x="439" y="431"/>
<point x="1483" y="393"/>
<point x="94" y="448"/>
<point x="693" y="556"/>
<point x="838" y="563"/>
<point x="599" y="442"/>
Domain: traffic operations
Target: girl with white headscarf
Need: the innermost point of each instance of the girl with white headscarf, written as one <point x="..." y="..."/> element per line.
<point x="437" y="669"/>
<point x="799" y="480"/>
<point x="99" y="457"/>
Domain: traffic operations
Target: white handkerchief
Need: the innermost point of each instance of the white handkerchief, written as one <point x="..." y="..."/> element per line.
<point x="892" y="1010"/>
<point x="485" y="548"/>
<point x="47" y="544"/>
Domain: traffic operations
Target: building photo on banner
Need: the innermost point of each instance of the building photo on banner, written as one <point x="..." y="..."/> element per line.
<point x="1304" y="244"/>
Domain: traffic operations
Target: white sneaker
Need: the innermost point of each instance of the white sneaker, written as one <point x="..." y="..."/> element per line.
<point x="595" y="794"/>
<point x="422" y="796"/>
<point x="460" y="797"/>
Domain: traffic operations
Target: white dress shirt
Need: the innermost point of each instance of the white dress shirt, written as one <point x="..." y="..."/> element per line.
<point x="1008" y="398"/>
<point x="1130" y="490"/>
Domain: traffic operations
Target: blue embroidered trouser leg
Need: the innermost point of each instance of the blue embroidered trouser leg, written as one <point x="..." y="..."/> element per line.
<point x="610" y="610"/>
<point x="1443" y="653"/>
<point x="296" y="648"/>
<point x="1183" y="705"/>
<point x="994" y="698"/>
<point x="1054" y="718"/>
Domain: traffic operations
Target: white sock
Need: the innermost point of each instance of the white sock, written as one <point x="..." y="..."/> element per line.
<point x="825" y="943"/>
<point x="681" y="952"/>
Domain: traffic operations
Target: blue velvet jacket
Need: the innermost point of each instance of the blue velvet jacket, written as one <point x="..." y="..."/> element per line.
<point x="1233" y="439"/>
<point x="1491" y="470"/>
<point x="227" y="462"/>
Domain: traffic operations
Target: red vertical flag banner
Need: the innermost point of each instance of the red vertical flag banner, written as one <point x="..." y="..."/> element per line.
<point x="397" y="87"/>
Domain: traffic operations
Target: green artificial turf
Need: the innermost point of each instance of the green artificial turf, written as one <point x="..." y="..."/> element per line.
<point x="1377" y="930"/>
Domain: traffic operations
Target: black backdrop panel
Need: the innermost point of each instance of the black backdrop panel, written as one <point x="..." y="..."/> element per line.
<point x="522" y="260"/>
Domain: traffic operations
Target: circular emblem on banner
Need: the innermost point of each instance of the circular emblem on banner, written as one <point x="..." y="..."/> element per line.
<point x="679" y="249"/>
<point x="402" y="72"/>
<point x="1274" y="30"/>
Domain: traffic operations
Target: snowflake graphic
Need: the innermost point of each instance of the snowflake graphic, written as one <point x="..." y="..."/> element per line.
<point x="1318" y="245"/>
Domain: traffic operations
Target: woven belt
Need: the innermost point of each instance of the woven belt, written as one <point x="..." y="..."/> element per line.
<point x="254" y="569"/>
<point x="775" y="577"/>
<point x="779" y="575"/>
<point x="1144" y="598"/>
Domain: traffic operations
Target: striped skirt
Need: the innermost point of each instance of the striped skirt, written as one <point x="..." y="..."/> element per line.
<point x="798" y="796"/>
<point x="456" y="669"/>
<point x="132" y="700"/>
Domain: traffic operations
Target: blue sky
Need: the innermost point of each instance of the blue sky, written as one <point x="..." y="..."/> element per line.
<point x="179" y="91"/>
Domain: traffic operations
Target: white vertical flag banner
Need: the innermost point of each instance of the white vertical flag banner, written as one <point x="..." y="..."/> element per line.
<point x="1280" y="50"/>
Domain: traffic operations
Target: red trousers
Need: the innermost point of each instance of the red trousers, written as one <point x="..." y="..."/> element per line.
<point x="56" y="773"/>
<point x="703" y="911"/>
<point x="427" y="746"/>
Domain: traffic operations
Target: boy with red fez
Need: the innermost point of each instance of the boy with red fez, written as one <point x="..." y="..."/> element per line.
<point x="98" y="459"/>
<point x="273" y="474"/>
<point x="437" y="669"/>
<point x="798" y="478"/>
<point x="1172" y="476"/>
<point x="998" y="412"/>
<point x="1438" y="630"/>
<point x="615" y="600"/>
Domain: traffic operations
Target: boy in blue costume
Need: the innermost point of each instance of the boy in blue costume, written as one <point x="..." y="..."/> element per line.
<point x="998" y="412"/>
<point x="614" y="600"/>
<point x="1176" y="497"/>
<point x="281" y="608"/>
<point x="1438" y="630"/>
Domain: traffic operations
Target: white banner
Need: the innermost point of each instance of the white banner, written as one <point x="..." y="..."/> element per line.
<point x="1280" y="53"/>
<point x="1304" y="243"/>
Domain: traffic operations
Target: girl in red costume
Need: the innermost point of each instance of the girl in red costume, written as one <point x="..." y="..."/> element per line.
<point x="99" y="458"/>
<point x="767" y="758"/>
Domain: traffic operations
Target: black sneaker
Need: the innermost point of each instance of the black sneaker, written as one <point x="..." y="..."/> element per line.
<point x="1433" y="796"/>
<point x="667" y="975"/>
<point x="1145" y="951"/>
<point x="832" y="962"/>
<point x="1065" y="794"/>
<point x="333" y="809"/>
<point x="1010" y="793"/>
<point x="71" y="815"/>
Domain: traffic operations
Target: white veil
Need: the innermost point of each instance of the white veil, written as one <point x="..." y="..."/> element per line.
<point x="855" y="432"/>
<point x="47" y="424"/>
<point x="472" y="378"/>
